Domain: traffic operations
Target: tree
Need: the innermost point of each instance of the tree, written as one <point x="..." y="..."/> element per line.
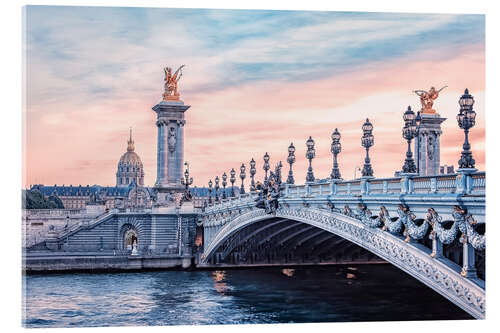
<point x="34" y="199"/>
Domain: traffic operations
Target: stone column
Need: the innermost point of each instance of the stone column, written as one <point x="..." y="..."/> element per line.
<point x="170" y="149"/>
<point x="427" y="144"/>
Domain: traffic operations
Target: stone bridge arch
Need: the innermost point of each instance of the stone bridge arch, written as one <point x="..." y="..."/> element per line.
<point x="441" y="275"/>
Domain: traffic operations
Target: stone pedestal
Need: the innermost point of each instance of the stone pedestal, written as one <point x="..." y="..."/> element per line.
<point x="427" y="144"/>
<point x="464" y="182"/>
<point x="170" y="150"/>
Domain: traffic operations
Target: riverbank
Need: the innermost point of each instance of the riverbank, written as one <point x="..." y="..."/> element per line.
<point x="103" y="262"/>
<point x="99" y="262"/>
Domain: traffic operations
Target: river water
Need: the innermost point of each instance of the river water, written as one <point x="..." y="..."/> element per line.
<point x="243" y="296"/>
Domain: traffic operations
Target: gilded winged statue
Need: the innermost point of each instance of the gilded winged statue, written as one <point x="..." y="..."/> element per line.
<point x="171" y="83"/>
<point x="427" y="98"/>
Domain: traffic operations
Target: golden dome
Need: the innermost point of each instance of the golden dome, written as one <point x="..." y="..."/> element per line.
<point x="131" y="158"/>
<point x="130" y="166"/>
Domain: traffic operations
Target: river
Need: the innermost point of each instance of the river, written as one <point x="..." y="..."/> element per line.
<point x="242" y="296"/>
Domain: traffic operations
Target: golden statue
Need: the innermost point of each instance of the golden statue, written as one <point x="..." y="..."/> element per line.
<point x="171" y="84"/>
<point x="427" y="98"/>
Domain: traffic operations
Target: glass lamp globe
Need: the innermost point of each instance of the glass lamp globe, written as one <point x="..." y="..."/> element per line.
<point x="336" y="135"/>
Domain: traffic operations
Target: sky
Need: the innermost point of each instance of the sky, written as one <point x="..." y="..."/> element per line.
<point x="256" y="81"/>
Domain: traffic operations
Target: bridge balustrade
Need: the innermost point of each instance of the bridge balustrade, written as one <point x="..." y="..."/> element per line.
<point x="416" y="185"/>
<point x="479" y="182"/>
<point x="393" y="185"/>
<point x="377" y="186"/>
<point x="53" y="212"/>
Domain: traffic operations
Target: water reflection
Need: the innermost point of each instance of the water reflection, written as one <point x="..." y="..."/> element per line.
<point x="219" y="284"/>
<point x="288" y="271"/>
<point x="351" y="273"/>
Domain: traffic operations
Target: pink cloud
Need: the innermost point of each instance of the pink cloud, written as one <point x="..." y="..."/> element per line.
<point x="228" y="127"/>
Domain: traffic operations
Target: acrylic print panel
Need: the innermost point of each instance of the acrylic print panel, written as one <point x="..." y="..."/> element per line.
<point x="198" y="166"/>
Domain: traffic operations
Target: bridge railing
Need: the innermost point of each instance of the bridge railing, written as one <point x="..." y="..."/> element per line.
<point x="474" y="183"/>
<point x="52" y="212"/>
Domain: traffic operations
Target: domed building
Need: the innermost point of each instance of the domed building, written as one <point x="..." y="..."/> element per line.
<point x="130" y="167"/>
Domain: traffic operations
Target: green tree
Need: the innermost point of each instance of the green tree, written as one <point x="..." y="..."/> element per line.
<point x="33" y="199"/>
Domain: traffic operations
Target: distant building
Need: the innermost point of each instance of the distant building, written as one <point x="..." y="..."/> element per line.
<point x="130" y="167"/>
<point x="446" y="169"/>
<point x="443" y="170"/>
<point x="77" y="197"/>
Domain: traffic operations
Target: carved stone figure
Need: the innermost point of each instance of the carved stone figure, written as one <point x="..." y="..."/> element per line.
<point x="172" y="139"/>
<point x="269" y="193"/>
<point x="134" y="248"/>
<point x="427" y="98"/>
<point x="430" y="147"/>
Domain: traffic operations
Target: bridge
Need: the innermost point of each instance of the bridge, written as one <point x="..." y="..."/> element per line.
<point x="412" y="222"/>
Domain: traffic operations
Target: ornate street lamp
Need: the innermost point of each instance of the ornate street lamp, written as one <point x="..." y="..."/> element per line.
<point x="367" y="142"/>
<point x="242" y="176"/>
<point x="418" y="121"/>
<point x="232" y="180"/>
<point x="217" y="188"/>
<point x="310" y="153"/>
<point x="266" y="165"/>
<point x="290" y="160"/>
<point x="187" y="181"/>
<point x="224" y="183"/>
<point x="335" y="148"/>
<point x="252" y="174"/>
<point x="466" y="119"/>
<point x="210" y="191"/>
<point x="409" y="132"/>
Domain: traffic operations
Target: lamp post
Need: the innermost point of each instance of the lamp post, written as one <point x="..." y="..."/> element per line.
<point x="409" y="132"/>
<point x="290" y="159"/>
<point x="224" y="183"/>
<point x="217" y="188"/>
<point x="210" y="191"/>
<point x="335" y="148"/>
<point x="367" y="142"/>
<point x="242" y="176"/>
<point x="187" y="181"/>
<point x="266" y="165"/>
<point x="252" y="174"/>
<point x="232" y="180"/>
<point x="310" y="153"/>
<point x="466" y="119"/>
<point x="418" y="121"/>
